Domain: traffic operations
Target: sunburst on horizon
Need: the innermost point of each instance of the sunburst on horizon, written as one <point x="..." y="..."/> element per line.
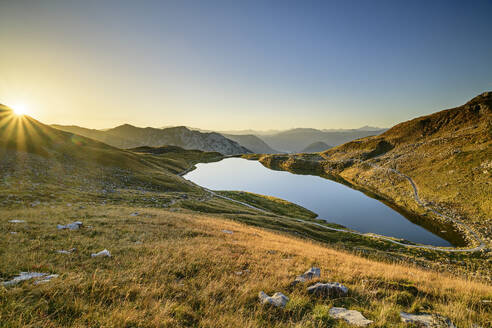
<point x="20" y="109"/>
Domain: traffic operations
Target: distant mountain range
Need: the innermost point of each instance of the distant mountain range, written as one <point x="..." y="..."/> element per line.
<point x="253" y="143"/>
<point x="296" y="140"/>
<point x="128" y="136"/>
<point x="265" y="142"/>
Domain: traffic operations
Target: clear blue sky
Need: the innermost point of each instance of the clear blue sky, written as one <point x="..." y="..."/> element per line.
<point x="242" y="64"/>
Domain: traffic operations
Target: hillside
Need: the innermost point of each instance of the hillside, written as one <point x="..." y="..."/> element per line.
<point x="184" y="269"/>
<point x="316" y="147"/>
<point x="182" y="256"/>
<point x="296" y="140"/>
<point x="253" y="143"/>
<point x="33" y="153"/>
<point x="128" y="136"/>
<point x="448" y="155"/>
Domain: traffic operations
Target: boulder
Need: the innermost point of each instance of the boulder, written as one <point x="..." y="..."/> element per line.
<point x="427" y="320"/>
<point x="350" y="316"/>
<point x="308" y="275"/>
<point x="330" y="289"/>
<point x="278" y="299"/>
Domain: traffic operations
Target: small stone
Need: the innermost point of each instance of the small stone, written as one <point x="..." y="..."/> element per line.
<point x="71" y="250"/>
<point x="46" y="279"/>
<point x="278" y="299"/>
<point x="331" y="289"/>
<point x="103" y="253"/>
<point x="308" y="275"/>
<point x="72" y="226"/>
<point x="427" y="320"/>
<point x="134" y="214"/>
<point x="17" y="221"/>
<point x="228" y="231"/>
<point x="350" y="316"/>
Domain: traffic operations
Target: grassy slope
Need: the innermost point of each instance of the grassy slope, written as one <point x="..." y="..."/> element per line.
<point x="270" y="203"/>
<point x="448" y="155"/>
<point x="179" y="269"/>
<point x="182" y="274"/>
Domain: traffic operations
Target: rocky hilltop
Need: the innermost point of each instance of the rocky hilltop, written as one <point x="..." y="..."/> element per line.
<point x="129" y="136"/>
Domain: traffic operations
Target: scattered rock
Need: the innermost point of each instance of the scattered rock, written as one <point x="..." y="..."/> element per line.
<point x="71" y="250"/>
<point x="17" y="221"/>
<point x="427" y="320"/>
<point x="351" y="316"/>
<point x="278" y="299"/>
<point x="72" y="226"/>
<point x="240" y="273"/>
<point x="27" y="276"/>
<point x="331" y="289"/>
<point x="308" y="275"/>
<point x="228" y="231"/>
<point x="13" y="232"/>
<point x="103" y="253"/>
<point x="134" y="214"/>
<point x="46" y="279"/>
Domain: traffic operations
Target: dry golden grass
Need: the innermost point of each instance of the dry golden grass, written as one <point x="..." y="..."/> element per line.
<point x="175" y="269"/>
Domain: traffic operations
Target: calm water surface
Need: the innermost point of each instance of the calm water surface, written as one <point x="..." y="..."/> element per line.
<point x="332" y="201"/>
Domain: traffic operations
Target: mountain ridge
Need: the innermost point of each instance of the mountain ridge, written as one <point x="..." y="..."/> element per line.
<point x="128" y="136"/>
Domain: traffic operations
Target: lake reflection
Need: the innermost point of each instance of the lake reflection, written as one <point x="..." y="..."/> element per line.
<point x="332" y="201"/>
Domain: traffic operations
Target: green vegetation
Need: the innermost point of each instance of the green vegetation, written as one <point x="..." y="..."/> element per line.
<point x="271" y="204"/>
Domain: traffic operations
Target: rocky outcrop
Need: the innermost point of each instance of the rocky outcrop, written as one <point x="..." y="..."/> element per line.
<point x="350" y="316"/>
<point x="278" y="299"/>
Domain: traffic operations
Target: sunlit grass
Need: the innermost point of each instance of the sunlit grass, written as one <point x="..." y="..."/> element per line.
<point x="179" y="269"/>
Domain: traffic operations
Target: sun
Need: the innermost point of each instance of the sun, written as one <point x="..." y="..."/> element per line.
<point x="20" y="109"/>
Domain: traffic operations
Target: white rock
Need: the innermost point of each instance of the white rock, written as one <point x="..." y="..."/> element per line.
<point x="24" y="276"/>
<point x="228" y="231"/>
<point x="278" y="299"/>
<point x="427" y="320"/>
<point x="71" y="250"/>
<point x="46" y="279"/>
<point x="17" y="221"/>
<point x="134" y="214"/>
<point x="103" y="253"/>
<point x="72" y="226"/>
<point x="308" y="275"/>
<point x="329" y="289"/>
<point x="350" y="316"/>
